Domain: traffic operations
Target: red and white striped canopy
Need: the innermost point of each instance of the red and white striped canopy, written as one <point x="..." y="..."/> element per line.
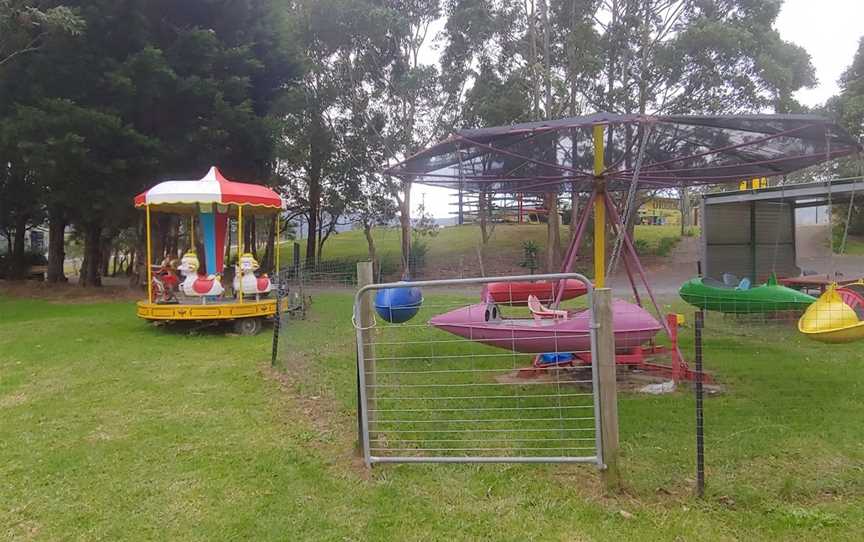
<point x="213" y="188"/>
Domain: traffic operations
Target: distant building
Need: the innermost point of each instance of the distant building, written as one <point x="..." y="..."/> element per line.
<point x="36" y="240"/>
<point x="502" y="208"/>
<point x="659" y="211"/>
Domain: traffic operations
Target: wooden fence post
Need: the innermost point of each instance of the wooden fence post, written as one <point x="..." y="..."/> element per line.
<point x="607" y="384"/>
<point x="365" y="276"/>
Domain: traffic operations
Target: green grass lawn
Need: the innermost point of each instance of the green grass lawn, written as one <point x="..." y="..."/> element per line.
<point x="454" y="242"/>
<point x="854" y="246"/>
<point x="113" y="429"/>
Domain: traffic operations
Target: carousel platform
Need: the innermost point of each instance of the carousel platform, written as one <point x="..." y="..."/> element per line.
<point x="223" y="309"/>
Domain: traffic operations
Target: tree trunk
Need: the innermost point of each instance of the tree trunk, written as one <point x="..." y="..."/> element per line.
<point x="105" y="257"/>
<point x="405" y="224"/>
<point x="312" y="229"/>
<point x="319" y="239"/>
<point x="574" y="210"/>
<point x="56" y="246"/>
<point x="245" y="241"/>
<point x="174" y="238"/>
<point x="482" y="211"/>
<point x="116" y="261"/>
<point x="373" y="253"/>
<point x="553" y="233"/>
<point x="253" y="238"/>
<point x="139" y="256"/>
<point x="547" y="60"/>
<point x="318" y="154"/>
<point x="610" y="68"/>
<point x="532" y="62"/>
<point x="267" y="264"/>
<point x="228" y="242"/>
<point x="158" y="239"/>
<point x="685" y="210"/>
<point x="90" y="268"/>
<point x="136" y="267"/>
<point x="17" y="257"/>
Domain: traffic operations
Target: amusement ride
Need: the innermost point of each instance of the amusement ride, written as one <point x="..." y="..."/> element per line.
<point x="600" y="155"/>
<point x="212" y="203"/>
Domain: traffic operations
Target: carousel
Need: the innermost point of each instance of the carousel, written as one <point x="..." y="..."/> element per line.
<point x="194" y="286"/>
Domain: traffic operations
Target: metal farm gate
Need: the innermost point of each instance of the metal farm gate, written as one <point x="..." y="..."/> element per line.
<point x="426" y="395"/>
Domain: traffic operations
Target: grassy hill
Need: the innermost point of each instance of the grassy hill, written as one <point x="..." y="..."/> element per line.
<point x="456" y="246"/>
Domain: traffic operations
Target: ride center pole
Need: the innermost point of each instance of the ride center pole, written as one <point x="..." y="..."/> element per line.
<point x="240" y="248"/>
<point x="599" y="210"/>
<point x="192" y="232"/>
<point x="149" y="259"/>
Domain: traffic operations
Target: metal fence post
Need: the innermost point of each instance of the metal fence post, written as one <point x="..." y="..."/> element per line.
<point x="366" y="320"/>
<point x="605" y="346"/>
<point x="277" y="322"/>
<point x="700" y="437"/>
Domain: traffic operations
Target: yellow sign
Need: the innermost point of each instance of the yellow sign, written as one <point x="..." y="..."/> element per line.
<point x="754" y="184"/>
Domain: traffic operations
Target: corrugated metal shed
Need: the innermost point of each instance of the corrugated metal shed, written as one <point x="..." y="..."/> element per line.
<point x="751" y="233"/>
<point x="752" y="239"/>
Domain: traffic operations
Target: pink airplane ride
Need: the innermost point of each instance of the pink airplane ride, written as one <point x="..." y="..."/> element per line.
<point x="548" y="330"/>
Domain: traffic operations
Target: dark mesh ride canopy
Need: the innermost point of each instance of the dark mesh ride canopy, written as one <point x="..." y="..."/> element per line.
<point x="678" y="150"/>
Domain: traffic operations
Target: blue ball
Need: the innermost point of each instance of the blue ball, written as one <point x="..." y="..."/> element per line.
<point x="398" y="305"/>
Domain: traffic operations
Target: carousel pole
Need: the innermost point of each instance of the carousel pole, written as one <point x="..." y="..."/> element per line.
<point x="149" y="259"/>
<point x="599" y="210"/>
<point x="240" y="246"/>
<point x="192" y="232"/>
<point x="276" y="247"/>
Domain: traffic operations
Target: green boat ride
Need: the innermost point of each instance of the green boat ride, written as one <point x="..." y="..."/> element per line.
<point x="741" y="298"/>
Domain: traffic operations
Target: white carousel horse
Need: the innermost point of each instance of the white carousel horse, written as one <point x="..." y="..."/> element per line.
<point x="244" y="277"/>
<point x="198" y="285"/>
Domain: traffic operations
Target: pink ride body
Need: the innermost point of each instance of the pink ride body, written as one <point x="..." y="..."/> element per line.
<point x="483" y="323"/>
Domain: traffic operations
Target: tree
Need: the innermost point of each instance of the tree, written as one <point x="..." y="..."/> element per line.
<point x="848" y="108"/>
<point x="337" y="39"/>
<point x="179" y="86"/>
<point x="371" y="201"/>
<point x="621" y="56"/>
<point x="88" y="164"/>
<point x="413" y="101"/>
<point x="19" y="207"/>
<point x="374" y="207"/>
<point x="26" y="28"/>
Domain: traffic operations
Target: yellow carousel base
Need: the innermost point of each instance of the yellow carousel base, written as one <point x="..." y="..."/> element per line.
<point x="211" y="311"/>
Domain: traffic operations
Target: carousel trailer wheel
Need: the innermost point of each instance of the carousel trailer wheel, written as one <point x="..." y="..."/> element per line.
<point x="248" y="326"/>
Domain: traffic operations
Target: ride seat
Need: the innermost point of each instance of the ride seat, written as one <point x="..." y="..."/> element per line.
<point x="730" y="279"/>
<point x="539" y="311"/>
<point x="744" y="284"/>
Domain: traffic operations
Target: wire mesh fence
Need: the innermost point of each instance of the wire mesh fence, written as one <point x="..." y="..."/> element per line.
<point x="783" y="408"/>
<point x="342" y="271"/>
<point x="778" y="405"/>
<point x="459" y="381"/>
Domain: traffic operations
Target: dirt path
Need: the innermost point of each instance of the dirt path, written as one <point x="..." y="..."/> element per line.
<point x="665" y="274"/>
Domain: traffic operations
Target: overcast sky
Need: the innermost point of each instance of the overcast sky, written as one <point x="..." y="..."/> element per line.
<point x="828" y="29"/>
